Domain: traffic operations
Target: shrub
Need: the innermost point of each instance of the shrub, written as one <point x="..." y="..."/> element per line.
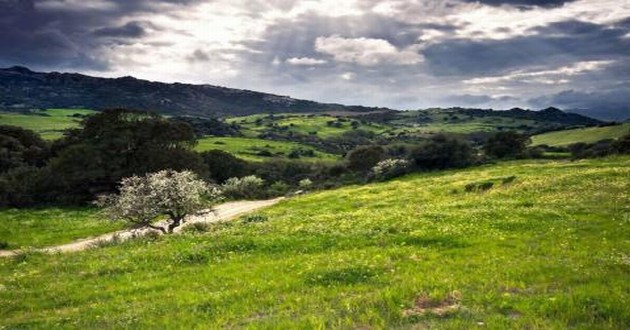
<point x="305" y="183"/>
<point x="245" y="187"/>
<point x="255" y="218"/>
<point x="278" y="188"/>
<point x="390" y="168"/>
<point x="479" y="186"/>
<point x="443" y="152"/>
<point x="362" y="159"/>
<point x="506" y="144"/>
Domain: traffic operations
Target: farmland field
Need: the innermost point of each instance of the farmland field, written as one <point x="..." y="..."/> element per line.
<point x="48" y="123"/>
<point x="52" y="226"/>
<point x="586" y="135"/>
<point x="545" y="245"/>
<point x="253" y="148"/>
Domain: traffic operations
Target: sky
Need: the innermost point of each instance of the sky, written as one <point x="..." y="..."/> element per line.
<point x="402" y="54"/>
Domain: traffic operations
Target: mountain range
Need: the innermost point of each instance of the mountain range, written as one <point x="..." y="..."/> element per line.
<point x="22" y="89"/>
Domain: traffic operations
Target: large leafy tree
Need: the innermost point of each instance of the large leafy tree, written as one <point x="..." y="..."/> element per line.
<point x="116" y="144"/>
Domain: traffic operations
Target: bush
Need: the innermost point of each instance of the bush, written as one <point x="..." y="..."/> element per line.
<point x="443" y="152"/>
<point x="255" y="218"/>
<point x="305" y="183"/>
<point x="362" y="159"/>
<point x="223" y="165"/>
<point x="506" y="144"/>
<point x="278" y="188"/>
<point x="479" y="186"/>
<point x="245" y="187"/>
<point x="390" y="168"/>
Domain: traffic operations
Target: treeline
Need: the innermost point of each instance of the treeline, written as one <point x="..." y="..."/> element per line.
<point x="115" y="144"/>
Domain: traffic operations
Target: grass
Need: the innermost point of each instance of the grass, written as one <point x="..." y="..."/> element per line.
<point x="52" y="226"/>
<point x="50" y="123"/>
<point x="299" y="123"/>
<point x="251" y="148"/>
<point x="545" y="247"/>
<point x="586" y="135"/>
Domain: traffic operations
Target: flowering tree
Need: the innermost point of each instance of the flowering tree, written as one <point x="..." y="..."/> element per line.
<point x="165" y="193"/>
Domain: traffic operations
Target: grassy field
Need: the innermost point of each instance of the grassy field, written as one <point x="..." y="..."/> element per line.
<point x="45" y="227"/>
<point x="304" y="124"/>
<point x="250" y="148"/>
<point x="48" y="123"/>
<point x="547" y="246"/>
<point x="586" y="135"/>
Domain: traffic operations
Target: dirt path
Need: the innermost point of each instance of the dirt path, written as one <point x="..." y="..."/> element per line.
<point x="222" y="212"/>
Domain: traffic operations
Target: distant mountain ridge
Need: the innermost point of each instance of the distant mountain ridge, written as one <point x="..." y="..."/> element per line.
<point x="22" y="89"/>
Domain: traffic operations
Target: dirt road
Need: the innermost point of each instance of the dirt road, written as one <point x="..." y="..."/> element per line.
<point x="222" y="212"/>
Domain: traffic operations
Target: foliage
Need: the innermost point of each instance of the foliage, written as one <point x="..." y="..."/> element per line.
<point x="20" y="147"/>
<point x="246" y="187"/>
<point x="442" y="152"/>
<point x="390" y="168"/>
<point x="223" y="165"/>
<point x="255" y="218"/>
<point x="142" y="200"/>
<point x="116" y="144"/>
<point x="305" y="183"/>
<point x="363" y="158"/>
<point x="506" y="144"/>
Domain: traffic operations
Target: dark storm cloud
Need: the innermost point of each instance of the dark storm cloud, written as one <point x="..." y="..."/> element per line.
<point x="36" y="34"/>
<point x="554" y="44"/>
<point x="129" y="30"/>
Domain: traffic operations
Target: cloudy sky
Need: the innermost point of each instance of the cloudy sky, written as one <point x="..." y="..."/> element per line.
<point x="404" y="54"/>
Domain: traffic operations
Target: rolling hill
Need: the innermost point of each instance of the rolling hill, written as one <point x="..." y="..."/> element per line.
<point x="545" y="247"/>
<point x="584" y="135"/>
<point x="22" y="89"/>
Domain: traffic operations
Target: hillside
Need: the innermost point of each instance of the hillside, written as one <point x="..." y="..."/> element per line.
<point x="545" y="247"/>
<point x="22" y="89"/>
<point x="584" y="135"/>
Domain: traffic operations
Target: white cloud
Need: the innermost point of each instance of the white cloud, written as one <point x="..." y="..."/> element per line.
<point x="549" y="77"/>
<point x="366" y="51"/>
<point x="306" y="61"/>
<point x="348" y="76"/>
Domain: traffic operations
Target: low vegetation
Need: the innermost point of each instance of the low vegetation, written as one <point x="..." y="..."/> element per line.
<point x="24" y="228"/>
<point x="256" y="149"/>
<point x="544" y="247"/>
<point x="581" y="135"/>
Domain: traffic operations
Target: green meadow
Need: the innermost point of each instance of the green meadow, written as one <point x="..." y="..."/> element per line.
<point x="24" y="228"/>
<point x="585" y="135"/>
<point x="523" y="244"/>
<point x="254" y="149"/>
<point x="50" y="123"/>
<point x="303" y="124"/>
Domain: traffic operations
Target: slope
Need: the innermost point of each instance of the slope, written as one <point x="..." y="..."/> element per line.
<point x="545" y="247"/>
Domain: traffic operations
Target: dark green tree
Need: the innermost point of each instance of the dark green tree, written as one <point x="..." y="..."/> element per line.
<point x="443" y="152"/>
<point x="506" y="145"/>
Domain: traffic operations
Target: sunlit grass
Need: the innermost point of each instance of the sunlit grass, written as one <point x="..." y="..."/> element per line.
<point x="586" y="135"/>
<point x="251" y="148"/>
<point x="51" y="226"/>
<point x="50" y="123"/>
<point x="545" y="249"/>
